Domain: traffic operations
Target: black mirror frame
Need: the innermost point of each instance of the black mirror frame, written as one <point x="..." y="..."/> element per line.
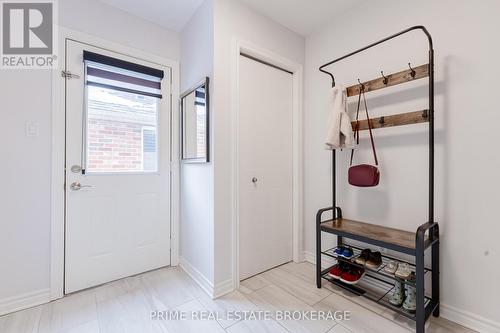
<point x="205" y="159"/>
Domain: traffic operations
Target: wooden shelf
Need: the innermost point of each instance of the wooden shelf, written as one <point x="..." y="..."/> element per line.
<point x="372" y="234"/>
<point x="392" y="80"/>
<point x="408" y="118"/>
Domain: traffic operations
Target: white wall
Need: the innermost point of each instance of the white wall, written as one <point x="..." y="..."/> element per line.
<point x="466" y="134"/>
<point x="196" y="227"/>
<point x="108" y="22"/>
<point x="233" y="21"/>
<point x="25" y="179"/>
<point x="26" y="161"/>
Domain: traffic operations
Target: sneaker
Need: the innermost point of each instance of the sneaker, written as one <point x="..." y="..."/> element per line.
<point x="410" y="303"/>
<point x="363" y="257"/>
<point x="403" y="271"/>
<point x="339" y="249"/>
<point x="391" y="267"/>
<point x="398" y="295"/>
<point x="336" y="271"/>
<point x="353" y="275"/>
<point x="347" y="253"/>
<point x="374" y="261"/>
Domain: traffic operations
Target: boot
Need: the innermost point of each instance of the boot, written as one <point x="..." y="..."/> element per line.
<point x="410" y="303"/>
<point x="398" y="295"/>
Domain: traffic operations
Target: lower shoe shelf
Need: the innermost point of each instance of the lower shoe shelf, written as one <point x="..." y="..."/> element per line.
<point x="379" y="270"/>
<point x="376" y="289"/>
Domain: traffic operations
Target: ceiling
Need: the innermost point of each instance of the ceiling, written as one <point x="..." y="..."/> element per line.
<point x="301" y="16"/>
<point x="170" y="14"/>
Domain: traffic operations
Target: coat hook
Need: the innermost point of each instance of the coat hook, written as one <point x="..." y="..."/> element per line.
<point x="385" y="78"/>
<point x="381" y="120"/>
<point x="362" y="88"/>
<point x="413" y="73"/>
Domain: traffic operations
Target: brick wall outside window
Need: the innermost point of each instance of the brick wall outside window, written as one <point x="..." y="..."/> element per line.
<point x="114" y="145"/>
<point x="116" y="122"/>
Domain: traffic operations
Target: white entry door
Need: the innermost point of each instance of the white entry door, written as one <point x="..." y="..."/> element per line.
<point x="117" y="166"/>
<point x="264" y="167"/>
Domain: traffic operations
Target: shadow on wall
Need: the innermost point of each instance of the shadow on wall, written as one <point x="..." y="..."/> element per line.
<point x="443" y="183"/>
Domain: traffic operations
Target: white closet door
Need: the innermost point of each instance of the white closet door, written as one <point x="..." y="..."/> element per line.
<point x="265" y="167"/>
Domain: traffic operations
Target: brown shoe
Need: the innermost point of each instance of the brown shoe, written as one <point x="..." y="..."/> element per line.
<point x="363" y="257"/>
<point x="374" y="261"/>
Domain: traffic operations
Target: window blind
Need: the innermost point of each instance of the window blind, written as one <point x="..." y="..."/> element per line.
<point x="111" y="73"/>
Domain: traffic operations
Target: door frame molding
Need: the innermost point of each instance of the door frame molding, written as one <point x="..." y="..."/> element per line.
<point x="57" y="223"/>
<point x="296" y="69"/>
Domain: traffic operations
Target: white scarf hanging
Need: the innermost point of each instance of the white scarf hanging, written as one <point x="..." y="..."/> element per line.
<point x="340" y="134"/>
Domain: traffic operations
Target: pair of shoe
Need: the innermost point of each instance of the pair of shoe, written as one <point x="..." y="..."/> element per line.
<point x="400" y="270"/>
<point x="369" y="259"/>
<point x="344" y="251"/>
<point x="346" y="273"/>
<point x="405" y="294"/>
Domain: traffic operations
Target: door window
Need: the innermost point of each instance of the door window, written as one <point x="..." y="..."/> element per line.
<point x="121" y="116"/>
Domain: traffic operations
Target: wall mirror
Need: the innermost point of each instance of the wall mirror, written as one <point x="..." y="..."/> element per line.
<point x="195" y="124"/>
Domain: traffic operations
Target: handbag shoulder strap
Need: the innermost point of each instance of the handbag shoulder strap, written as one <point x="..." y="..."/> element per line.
<point x="356" y="131"/>
<point x="356" y="128"/>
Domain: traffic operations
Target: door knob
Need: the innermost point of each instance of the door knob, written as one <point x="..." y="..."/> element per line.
<point x="76" y="186"/>
<point x="254" y="180"/>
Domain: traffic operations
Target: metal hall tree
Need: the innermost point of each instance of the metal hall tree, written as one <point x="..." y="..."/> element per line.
<point x="414" y="244"/>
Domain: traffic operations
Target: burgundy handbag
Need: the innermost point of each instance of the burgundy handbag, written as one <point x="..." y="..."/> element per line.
<point x="363" y="175"/>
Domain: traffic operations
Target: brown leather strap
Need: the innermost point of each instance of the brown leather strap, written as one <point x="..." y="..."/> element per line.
<point x="356" y="130"/>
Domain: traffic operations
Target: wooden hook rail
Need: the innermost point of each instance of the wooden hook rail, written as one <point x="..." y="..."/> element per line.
<point x="419" y="72"/>
<point x="394" y="120"/>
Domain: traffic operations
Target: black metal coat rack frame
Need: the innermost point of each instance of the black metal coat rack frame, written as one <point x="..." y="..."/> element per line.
<point x="410" y="243"/>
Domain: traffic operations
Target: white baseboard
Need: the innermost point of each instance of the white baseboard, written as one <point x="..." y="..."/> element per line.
<point x="24" y="301"/>
<point x="218" y="290"/>
<point x="325" y="262"/>
<point x="461" y="317"/>
<point x="469" y="319"/>
<point x="223" y="288"/>
<point x="197" y="276"/>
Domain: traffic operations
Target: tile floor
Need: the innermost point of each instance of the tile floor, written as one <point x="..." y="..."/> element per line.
<point x="125" y="306"/>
